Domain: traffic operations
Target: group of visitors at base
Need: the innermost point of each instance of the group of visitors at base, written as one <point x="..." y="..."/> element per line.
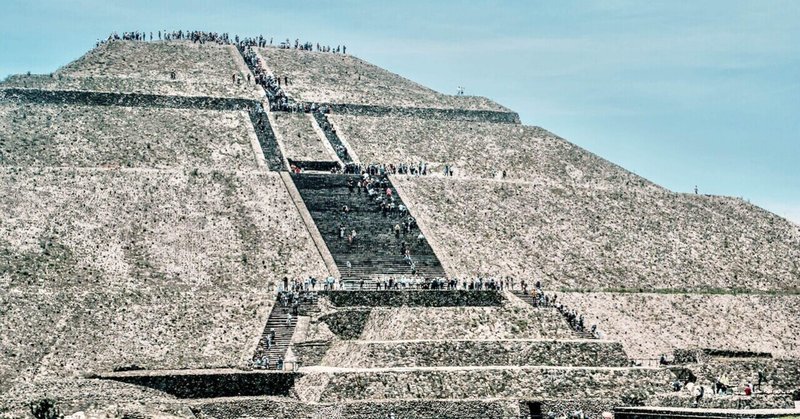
<point x="262" y="360"/>
<point x="719" y="388"/>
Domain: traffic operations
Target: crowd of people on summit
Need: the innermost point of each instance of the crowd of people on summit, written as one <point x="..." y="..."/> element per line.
<point x="222" y="39"/>
<point x="180" y="35"/>
<point x="272" y="84"/>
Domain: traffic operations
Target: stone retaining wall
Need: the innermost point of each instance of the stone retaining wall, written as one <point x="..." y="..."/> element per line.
<point x="511" y="383"/>
<point x="194" y="386"/>
<point x="507" y="321"/>
<point x="346" y="324"/>
<point x="68" y="135"/>
<point x="460" y="353"/>
<point x="125" y="99"/>
<point x="428" y="113"/>
<point x="310" y="353"/>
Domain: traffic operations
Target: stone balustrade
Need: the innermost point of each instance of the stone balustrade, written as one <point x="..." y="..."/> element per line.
<point x="711" y="401"/>
<point x="778" y="375"/>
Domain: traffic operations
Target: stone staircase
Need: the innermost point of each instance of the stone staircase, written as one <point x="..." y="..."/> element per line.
<point x="266" y="136"/>
<point x="267" y="140"/>
<point x="528" y="298"/>
<point x="283" y="330"/>
<point x="376" y="252"/>
<point x="332" y="137"/>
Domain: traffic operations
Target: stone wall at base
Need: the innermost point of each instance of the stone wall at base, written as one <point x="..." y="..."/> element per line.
<point x="778" y="375"/>
<point x="441" y="353"/>
<point x="757" y="401"/>
<point x="73" y="395"/>
<point x="592" y="408"/>
<point x="290" y="409"/>
<point x="684" y="413"/>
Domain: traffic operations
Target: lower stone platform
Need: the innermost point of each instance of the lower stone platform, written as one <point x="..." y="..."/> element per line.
<point x="333" y="385"/>
<point x="758" y="400"/>
<point x="691" y="413"/>
<point x="277" y="408"/>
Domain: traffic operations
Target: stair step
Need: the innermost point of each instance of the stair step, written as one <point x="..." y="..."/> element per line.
<point x="376" y="250"/>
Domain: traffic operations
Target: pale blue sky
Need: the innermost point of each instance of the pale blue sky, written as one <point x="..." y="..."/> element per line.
<point x="683" y="93"/>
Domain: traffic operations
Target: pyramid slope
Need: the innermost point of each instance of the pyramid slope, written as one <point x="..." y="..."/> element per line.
<point x="589" y="238"/>
<point x="146" y="67"/>
<point x="481" y="150"/>
<point x="153" y="235"/>
<point x="153" y="138"/>
<point x="299" y="138"/>
<point x="318" y="77"/>
<point x="150" y="268"/>
<point x="649" y="325"/>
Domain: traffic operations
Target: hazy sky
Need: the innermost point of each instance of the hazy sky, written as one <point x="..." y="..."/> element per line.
<point x="684" y="93"/>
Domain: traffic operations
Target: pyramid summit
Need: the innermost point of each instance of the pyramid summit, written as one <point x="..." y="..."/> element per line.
<point x="207" y="226"/>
